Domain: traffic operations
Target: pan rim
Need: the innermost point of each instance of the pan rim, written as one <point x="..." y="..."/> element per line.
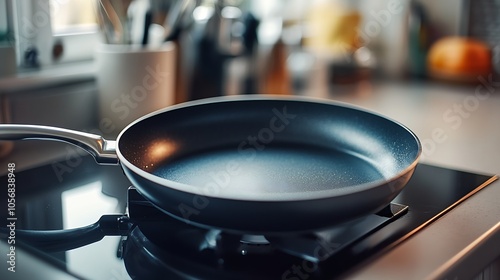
<point x="269" y="196"/>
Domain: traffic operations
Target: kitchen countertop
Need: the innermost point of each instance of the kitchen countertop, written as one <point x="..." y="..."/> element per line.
<point x="33" y="79"/>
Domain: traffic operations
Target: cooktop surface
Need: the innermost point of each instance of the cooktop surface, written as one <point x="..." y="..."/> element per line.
<point x="77" y="192"/>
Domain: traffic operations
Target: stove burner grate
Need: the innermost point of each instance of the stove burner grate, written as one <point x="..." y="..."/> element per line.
<point x="162" y="245"/>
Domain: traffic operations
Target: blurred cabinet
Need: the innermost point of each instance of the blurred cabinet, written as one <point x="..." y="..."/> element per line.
<point x="71" y="105"/>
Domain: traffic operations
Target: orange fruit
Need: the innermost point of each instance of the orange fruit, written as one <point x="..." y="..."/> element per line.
<point x="459" y="58"/>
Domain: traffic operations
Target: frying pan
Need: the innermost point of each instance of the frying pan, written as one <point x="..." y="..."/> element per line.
<point x="256" y="164"/>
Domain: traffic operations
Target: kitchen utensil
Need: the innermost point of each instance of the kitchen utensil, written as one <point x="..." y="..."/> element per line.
<point x="113" y="20"/>
<point x="147" y="23"/>
<point x="256" y="164"/>
<point x="178" y="18"/>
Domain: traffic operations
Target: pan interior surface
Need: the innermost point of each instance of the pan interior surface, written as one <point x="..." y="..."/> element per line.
<point x="277" y="169"/>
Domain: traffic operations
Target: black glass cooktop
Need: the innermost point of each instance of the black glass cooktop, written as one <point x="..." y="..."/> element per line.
<point x="70" y="194"/>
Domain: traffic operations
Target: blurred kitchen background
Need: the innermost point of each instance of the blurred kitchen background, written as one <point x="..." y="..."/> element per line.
<point x="410" y="60"/>
<point x="430" y="64"/>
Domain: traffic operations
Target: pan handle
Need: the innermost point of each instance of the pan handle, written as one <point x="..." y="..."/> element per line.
<point x="68" y="239"/>
<point x="104" y="151"/>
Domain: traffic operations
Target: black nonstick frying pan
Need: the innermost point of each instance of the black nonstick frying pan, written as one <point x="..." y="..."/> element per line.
<point x="256" y="164"/>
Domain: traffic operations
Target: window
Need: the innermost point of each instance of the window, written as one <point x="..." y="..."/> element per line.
<point x="70" y="17"/>
<point x="49" y="32"/>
